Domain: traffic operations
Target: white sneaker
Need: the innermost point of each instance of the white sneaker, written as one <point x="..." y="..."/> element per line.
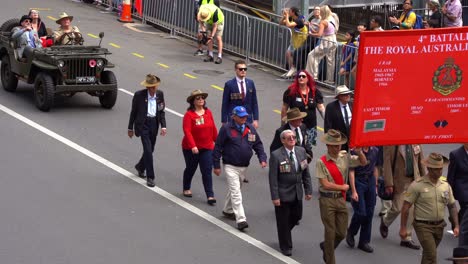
<point x="284" y="75"/>
<point x="291" y="72"/>
<point x="110" y="8"/>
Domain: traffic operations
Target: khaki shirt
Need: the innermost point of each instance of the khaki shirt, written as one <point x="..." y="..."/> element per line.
<point x="429" y="199"/>
<point x="343" y="162"/>
<point x="59" y="32"/>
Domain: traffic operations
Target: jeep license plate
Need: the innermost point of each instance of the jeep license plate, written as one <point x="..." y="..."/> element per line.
<point x="88" y="79"/>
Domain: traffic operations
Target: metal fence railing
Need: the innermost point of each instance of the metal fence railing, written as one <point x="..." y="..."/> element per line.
<point x="265" y="41"/>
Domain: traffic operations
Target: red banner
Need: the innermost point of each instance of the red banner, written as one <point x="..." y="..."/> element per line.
<point x="411" y="87"/>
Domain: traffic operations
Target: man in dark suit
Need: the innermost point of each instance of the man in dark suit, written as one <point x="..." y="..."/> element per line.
<point x="294" y="119"/>
<point x="457" y="177"/>
<point x="146" y="116"/>
<point x="338" y="113"/>
<point x="240" y="91"/>
<point x="288" y="171"/>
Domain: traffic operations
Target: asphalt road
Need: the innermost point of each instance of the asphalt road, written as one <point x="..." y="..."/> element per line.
<point x="67" y="189"/>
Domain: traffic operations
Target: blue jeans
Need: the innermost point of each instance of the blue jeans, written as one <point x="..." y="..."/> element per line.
<point x="363" y="208"/>
<point x="205" y="159"/>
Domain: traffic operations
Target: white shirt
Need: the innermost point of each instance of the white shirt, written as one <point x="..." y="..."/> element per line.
<point x="294" y="157"/>
<point x="299" y="133"/>
<point x="239" y="85"/>
<point x="347" y="110"/>
<point x="151" y="105"/>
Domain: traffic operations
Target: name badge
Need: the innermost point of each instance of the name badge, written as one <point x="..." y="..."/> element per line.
<point x="199" y="121"/>
<point x="304" y="164"/>
<point x="251" y="137"/>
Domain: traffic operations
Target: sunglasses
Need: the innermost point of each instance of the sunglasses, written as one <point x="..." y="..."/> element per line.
<point x="199" y="98"/>
<point x="290" y="138"/>
<point x="302" y="76"/>
<point x="242" y="69"/>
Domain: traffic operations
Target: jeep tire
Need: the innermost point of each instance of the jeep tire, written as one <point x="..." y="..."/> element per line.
<point x="10" y="24"/>
<point x="44" y="90"/>
<point x="9" y="79"/>
<point x="109" y="98"/>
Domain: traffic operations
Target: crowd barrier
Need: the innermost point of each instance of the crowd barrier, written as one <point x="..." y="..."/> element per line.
<point x="257" y="40"/>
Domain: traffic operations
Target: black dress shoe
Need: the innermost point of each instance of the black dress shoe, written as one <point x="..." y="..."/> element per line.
<point x="242" y="225"/>
<point x="323" y="252"/>
<point x="211" y="201"/>
<point x="150" y="183"/>
<point x="141" y="173"/>
<point x="231" y="216"/>
<point x="366" y="248"/>
<point x="350" y="240"/>
<point x="208" y="59"/>
<point x="383" y="229"/>
<point x="410" y="244"/>
<point x="381" y="214"/>
<point x="286" y="252"/>
<point x="246" y="180"/>
<point x="218" y="60"/>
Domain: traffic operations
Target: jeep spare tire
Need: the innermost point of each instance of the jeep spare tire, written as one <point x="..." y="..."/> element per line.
<point x="109" y="98"/>
<point x="9" y="25"/>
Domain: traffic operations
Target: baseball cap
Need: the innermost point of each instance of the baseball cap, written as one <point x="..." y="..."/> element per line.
<point x="239" y="111"/>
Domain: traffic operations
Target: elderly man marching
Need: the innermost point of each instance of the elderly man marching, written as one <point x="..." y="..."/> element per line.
<point x="332" y="173"/>
<point x="289" y="170"/>
<point x="430" y="196"/>
<point x="234" y="144"/>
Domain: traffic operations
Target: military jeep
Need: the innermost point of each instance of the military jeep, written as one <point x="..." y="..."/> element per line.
<point x="58" y="70"/>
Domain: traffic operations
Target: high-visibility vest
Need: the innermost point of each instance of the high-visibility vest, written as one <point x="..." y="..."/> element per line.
<point x="213" y="9"/>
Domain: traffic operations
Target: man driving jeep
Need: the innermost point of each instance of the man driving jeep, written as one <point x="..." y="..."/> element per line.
<point x="25" y="36"/>
<point x="67" y="34"/>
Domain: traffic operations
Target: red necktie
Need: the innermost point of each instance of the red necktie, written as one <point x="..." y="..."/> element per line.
<point x="242" y="90"/>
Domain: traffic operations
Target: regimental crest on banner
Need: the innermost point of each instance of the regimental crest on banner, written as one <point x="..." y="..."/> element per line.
<point x="447" y="78"/>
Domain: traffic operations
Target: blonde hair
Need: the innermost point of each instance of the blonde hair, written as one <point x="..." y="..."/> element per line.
<point x="325" y="12"/>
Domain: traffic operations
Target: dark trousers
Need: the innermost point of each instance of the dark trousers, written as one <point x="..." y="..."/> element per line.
<point x="287" y="215"/>
<point x="204" y="158"/>
<point x="363" y="208"/>
<point x="463" y="237"/>
<point x="148" y="140"/>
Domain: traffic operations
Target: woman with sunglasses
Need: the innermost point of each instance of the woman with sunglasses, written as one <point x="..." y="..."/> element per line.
<point x="198" y="143"/>
<point x="303" y="94"/>
<point x="37" y="24"/>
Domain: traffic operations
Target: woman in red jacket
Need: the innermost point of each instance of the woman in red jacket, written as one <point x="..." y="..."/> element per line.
<point x="197" y="145"/>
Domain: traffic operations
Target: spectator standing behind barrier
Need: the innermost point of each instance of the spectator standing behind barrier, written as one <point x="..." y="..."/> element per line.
<point x="300" y="54"/>
<point x="303" y="94"/>
<point x="37" y="23"/>
<point x="146" y="116"/>
<point x="407" y="17"/>
<point x="288" y="173"/>
<point x="363" y="182"/>
<point x="211" y="19"/>
<point x="457" y="177"/>
<point x="197" y="145"/>
<point x="332" y="173"/>
<point x="234" y="144"/>
<point x="402" y="165"/>
<point x="362" y="26"/>
<point x="25" y="36"/>
<point x="327" y="47"/>
<point x="199" y="3"/>
<point x="291" y="19"/>
<point x="452" y="11"/>
<point x="430" y="196"/>
<point x="435" y="20"/>
<point x="347" y="55"/>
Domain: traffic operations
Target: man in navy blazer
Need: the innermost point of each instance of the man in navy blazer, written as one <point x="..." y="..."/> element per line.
<point x="458" y="177"/>
<point x="146" y="116"/>
<point x="240" y="91"/>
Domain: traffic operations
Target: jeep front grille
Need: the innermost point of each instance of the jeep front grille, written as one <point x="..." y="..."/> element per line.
<point x="79" y="68"/>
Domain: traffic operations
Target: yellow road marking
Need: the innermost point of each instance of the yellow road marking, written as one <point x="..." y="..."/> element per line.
<point x="51" y="18"/>
<point x="217" y="87"/>
<point x="279" y="112"/>
<point x="162" y="65"/>
<point x="138" y="55"/>
<point x="93" y="36"/>
<point x="114" y="45"/>
<point x="40" y="8"/>
<point x="190" y="76"/>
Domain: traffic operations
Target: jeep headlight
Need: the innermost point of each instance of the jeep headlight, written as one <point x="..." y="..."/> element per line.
<point x="60" y="63"/>
<point x="99" y="63"/>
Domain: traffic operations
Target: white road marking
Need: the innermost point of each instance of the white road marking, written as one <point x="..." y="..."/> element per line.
<point x="260" y="245"/>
